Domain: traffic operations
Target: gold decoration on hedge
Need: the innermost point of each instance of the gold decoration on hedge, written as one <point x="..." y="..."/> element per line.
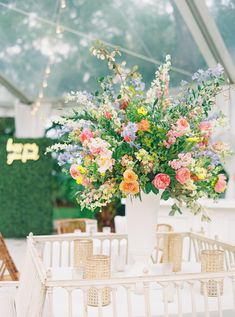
<point x="21" y="152"/>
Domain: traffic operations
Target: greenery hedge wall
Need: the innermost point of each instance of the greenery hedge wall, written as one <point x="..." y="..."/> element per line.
<point x="25" y="192"/>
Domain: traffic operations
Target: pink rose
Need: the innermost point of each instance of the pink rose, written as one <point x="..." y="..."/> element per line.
<point x="172" y="140"/>
<point x="86" y="135"/>
<point x="183" y="175"/>
<point x="182" y="124"/>
<point x="205" y="126"/>
<point x="74" y="172"/>
<point x="161" y="181"/>
<point x="85" y="181"/>
<point x="221" y="183"/>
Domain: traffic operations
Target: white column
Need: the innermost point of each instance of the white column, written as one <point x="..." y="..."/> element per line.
<point x="230" y="194"/>
<point x="28" y="125"/>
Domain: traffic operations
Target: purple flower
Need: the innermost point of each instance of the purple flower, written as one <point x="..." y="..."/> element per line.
<point x="213" y="116"/>
<point x="129" y="132"/>
<point x="72" y="155"/>
<point x="213" y="156"/>
<point x="210" y="73"/>
<point x="138" y="84"/>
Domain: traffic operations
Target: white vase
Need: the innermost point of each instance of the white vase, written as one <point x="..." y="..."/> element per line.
<point x="142" y="218"/>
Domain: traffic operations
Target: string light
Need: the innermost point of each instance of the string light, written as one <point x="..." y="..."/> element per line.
<point x="58" y="29"/>
<point x="41" y="95"/>
<point x="63" y="4"/>
<point x="47" y="71"/>
<point x="44" y="84"/>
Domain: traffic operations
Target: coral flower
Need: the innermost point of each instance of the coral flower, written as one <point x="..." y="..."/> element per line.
<point x="129" y="187"/>
<point x="183" y="175"/>
<point x="182" y="124"/>
<point x="195" y="178"/>
<point x="74" y="172"/>
<point x="108" y="115"/>
<point x="205" y="126"/>
<point x="161" y="181"/>
<point x="221" y="184"/>
<point x="144" y="125"/>
<point x="86" y="135"/>
<point x="130" y="176"/>
<point x="127" y="138"/>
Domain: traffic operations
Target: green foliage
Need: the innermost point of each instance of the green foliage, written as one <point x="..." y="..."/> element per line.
<point x="25" y="193"/>
<point x="7" y="126"/>
<point x="64" y="188"/>
<point x="72" y="212"/>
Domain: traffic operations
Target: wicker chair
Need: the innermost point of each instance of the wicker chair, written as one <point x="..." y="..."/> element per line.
<point x="70" y="225"/>
<point x="8" y="270"/>
<point x="163" y="227"/>
<point x="162" y="244"/>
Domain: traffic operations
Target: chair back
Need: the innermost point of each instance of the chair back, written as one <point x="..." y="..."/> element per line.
<point x="31" y="293"/>
<point x="162" y="242"/>
<point x="164" y="227"/>
<point x="8" y="270"/>
<point x="70" y="225"/>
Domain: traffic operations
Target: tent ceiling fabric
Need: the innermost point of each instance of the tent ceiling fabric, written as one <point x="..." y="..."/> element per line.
<point x="145" y="30"/>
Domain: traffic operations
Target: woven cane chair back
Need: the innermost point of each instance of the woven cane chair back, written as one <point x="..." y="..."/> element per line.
<point x="162" y="243"/>
<point x="70" y="225"/>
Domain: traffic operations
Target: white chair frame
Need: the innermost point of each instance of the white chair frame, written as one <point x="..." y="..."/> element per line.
<point x="31" y="288"/>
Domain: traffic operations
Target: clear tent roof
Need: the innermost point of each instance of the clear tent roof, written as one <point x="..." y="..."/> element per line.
<point x="223" y="11"/>
<point x="146" y="31"/>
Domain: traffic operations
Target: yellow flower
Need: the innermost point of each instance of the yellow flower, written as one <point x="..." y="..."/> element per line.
<point x="194" y="139"/>
<point x="142" y="111"/>
<point x="102" y="174"/>
<point x="201" y="173"/>
<point x="79" y="180"/>
<point x="81" y="169"/>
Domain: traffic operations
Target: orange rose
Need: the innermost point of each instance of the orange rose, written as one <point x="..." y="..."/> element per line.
<point x="131" y="187"/>
<point x="130" y="176"/>
<point x="144" y="125"/>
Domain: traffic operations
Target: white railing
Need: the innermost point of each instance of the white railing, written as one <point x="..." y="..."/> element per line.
<point x="197" y="243"/>
<point x="57" y="250"/>
<point x="194" y="243"/>
<point x="178" y="294"/>
<point x="173" y="295"/>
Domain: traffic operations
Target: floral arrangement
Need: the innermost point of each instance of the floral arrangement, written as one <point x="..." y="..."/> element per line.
<point x="124" y="140"/>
